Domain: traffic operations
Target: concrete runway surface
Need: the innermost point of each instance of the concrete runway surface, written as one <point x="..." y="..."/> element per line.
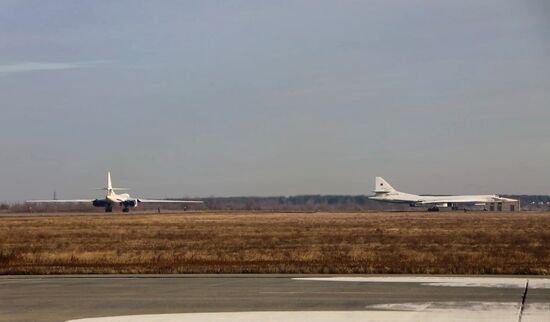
<point x="172" y="298"/>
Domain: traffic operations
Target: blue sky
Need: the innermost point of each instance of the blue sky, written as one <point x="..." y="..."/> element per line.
<point x="201" y="98"/>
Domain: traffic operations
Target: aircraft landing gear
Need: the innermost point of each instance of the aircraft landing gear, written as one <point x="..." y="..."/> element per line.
<point x="109" y="209"/>
<point x="125" y="209"/>
<point x="433" y="209"/>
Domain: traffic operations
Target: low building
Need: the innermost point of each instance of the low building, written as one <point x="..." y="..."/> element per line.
<point x="503" y="206"/>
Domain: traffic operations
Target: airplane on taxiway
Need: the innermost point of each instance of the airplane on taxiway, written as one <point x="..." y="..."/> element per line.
<point x="385" y="192"/>
<point x="113" y="199"/>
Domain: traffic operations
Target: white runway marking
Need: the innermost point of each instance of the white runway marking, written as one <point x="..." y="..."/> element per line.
<point x="427" y="312"/>
<point x="536" y="312"/>
<point x="448" y="306"/>
<point x="498" y="282"/>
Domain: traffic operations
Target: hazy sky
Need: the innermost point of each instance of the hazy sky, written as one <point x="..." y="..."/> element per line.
<point x="200" y="98"/>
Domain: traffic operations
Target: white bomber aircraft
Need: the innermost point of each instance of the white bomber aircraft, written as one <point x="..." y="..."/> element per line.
<point x="385" y="192"/>
<point x="112" y="199"/>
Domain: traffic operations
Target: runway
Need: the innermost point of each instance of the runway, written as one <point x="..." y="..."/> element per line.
<point x="173" y="298"/>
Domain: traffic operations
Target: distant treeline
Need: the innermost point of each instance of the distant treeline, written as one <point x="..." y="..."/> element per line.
<point x="295" y="203"/>
<point x="532" y="202"/>
<point x="339" y="203"/>
<point x="309" y="203"/>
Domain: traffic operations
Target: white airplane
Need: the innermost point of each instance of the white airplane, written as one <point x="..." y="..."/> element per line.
<point x="112" y="199"/>
<point x="385" y="192"/>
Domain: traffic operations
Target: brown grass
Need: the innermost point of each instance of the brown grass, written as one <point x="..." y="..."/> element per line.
<point x="443" y="243"/>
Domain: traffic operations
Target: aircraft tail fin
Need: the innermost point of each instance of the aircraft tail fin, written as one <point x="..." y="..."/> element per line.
<point x="109" y="183"/>
<point x="382" y="185"/>
<point x="109" y="187"/>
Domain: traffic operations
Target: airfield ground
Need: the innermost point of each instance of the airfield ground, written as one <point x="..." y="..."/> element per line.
<point x="274" y="298"/>
<point x="337" y="243"/>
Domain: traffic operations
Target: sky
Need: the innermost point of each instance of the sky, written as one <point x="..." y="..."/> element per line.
<point x="269" y="98"/>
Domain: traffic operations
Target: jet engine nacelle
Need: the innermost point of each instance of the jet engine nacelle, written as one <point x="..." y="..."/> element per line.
<point x="99" y="203"/>
<point x="131" y="203"/>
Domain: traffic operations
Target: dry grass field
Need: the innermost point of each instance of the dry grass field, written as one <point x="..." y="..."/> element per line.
<point x="441" y="243"/>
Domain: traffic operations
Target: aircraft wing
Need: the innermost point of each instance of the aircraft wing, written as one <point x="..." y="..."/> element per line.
<point x="168" y="201"/>
<point x="451" y="200"/>
<point x="60" y="201"/>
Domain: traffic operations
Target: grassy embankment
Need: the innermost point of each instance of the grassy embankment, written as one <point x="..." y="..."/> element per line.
<point x="443" y="243"/>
